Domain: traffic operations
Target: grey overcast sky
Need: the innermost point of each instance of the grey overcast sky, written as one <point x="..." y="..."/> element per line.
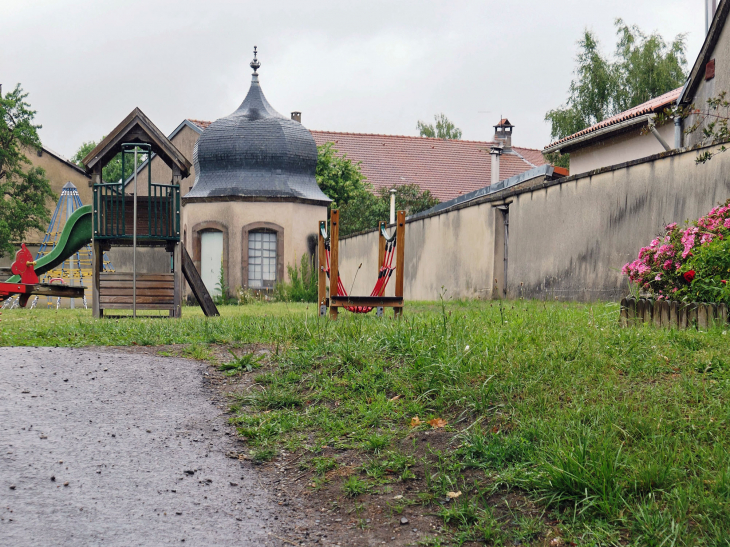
<point x="360" y="66"/>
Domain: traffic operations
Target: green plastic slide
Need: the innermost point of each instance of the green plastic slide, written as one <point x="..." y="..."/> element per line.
<point x="76" y="233"/>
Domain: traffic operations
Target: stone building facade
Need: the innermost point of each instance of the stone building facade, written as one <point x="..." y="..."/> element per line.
<point x="254" y="205"/>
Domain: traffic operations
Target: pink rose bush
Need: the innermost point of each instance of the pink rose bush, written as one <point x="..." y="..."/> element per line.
<point x="690" y="263"/>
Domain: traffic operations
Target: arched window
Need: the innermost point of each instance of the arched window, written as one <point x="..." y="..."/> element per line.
<point x="262" y="259"/>
<point x="263" y="255"/>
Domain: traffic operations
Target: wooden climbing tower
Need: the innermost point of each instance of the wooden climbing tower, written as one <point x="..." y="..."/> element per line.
<point x="137" y="213"/>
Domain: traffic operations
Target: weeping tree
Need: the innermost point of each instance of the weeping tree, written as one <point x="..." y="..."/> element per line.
<point x="643" y="67"/>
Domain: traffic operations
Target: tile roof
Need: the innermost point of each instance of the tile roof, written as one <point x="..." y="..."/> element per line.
<point x="448" y="168"/>
<point x="200" y="123"/>
<point x="654" y="105"/>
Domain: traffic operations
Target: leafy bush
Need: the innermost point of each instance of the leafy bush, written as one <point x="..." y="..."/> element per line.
<point x="360" y="206"/>
<point x="690" y="263"/>
<point x="302" y="286"/>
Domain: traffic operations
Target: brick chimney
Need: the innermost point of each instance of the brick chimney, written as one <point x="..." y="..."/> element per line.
<point x="296" y="116"/>
<point x="503" y="133"/>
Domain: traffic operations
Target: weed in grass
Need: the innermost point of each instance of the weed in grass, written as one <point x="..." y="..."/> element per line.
<point x="246" y="362"/>
<point x="397" y="462"/>
<point x="322" y="464"/>
<point x="494" y="450"/>
<point x="528" y="528"/>
<point x="376" y="442"/>
<point x="374" y="468"/>
<point x="294" y="442"/>
<point x="264" y="428"/>
<point x="586" y="469"/>
<point x="198" y="352"/>
<point x="263" y="454"/>
<point x="274" y="398"/>
<point x="442" y="476"/>
<point x="355" y="486"/>
<point x="488" y="530"/>
<point x="654" y="527"/>
<point x="461" y="511"/>
<point x="395" y="508"/>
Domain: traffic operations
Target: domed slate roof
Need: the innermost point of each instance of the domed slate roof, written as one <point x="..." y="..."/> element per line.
<point x="255" y="153"/>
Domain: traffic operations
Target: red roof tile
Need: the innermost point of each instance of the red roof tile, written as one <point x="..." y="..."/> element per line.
<point x="448" y="168"/>
<point x="654" y="105"/>
<point x="200" y="123"/>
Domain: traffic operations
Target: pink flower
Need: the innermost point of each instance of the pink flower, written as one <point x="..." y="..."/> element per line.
<point x="727" y="223"/>
<point x="688" y="240"/>
<point x="658" y="277"/>
<point x="670" y="227"/>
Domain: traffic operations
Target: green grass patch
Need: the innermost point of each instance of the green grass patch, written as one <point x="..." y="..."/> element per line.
<point x="618" y="436"/>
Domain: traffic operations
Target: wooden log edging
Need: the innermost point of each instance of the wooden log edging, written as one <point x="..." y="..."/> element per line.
<point x="668" y="314"/>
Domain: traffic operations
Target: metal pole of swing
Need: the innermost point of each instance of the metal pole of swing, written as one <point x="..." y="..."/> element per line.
<point x="69" y="212"/>
<point x="392" y="205"/>
<point x="134" y="240"/>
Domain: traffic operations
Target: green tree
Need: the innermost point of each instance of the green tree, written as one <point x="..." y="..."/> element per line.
<point x="644" y="67"/>
<point x="647" y="65"/>
<point x="408" y="197"/>
<point x="24" y="189"/>
<point x="360" y="206"/>
<point x="444" y="128"/>
<point x="112" y="171"/>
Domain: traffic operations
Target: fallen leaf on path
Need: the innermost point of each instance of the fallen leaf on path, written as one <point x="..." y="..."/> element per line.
<point x="437" y="422"/>
<point x="415" y="421"/>
<point x="453" y="495"/>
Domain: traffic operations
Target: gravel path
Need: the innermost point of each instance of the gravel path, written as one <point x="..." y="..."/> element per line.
<point x="100" y="447"/>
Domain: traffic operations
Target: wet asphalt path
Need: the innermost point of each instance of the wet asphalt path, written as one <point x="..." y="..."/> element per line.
<point x="99" y="447"/>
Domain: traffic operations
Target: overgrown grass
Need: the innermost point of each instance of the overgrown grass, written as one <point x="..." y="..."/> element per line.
<point x="620" y="435"/>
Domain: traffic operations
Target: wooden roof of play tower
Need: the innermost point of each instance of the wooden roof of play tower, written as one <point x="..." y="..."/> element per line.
<point x="137" y="128"/>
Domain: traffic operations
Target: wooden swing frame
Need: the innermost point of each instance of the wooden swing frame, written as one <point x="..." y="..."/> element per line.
<point x="335" y="301"/>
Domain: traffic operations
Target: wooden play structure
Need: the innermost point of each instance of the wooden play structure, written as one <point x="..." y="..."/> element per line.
<point x="390" y="247"/>
<point x="133" y="213"/>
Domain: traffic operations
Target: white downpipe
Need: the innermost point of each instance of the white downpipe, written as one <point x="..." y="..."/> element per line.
<point x="495" y="153"/>
<point x="392" y="206"/>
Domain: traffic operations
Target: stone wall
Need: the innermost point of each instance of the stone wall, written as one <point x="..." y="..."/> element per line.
<point x="454" y="251"/>
<point x="567" y="239"/>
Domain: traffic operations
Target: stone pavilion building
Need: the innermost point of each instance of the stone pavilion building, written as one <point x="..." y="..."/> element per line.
<point x="255" y="203"/>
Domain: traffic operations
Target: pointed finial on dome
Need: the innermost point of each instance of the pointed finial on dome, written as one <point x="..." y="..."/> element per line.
<point x="255" y="64"/>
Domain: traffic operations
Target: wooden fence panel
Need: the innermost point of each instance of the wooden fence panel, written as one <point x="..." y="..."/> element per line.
<point x="664" y="314"/>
